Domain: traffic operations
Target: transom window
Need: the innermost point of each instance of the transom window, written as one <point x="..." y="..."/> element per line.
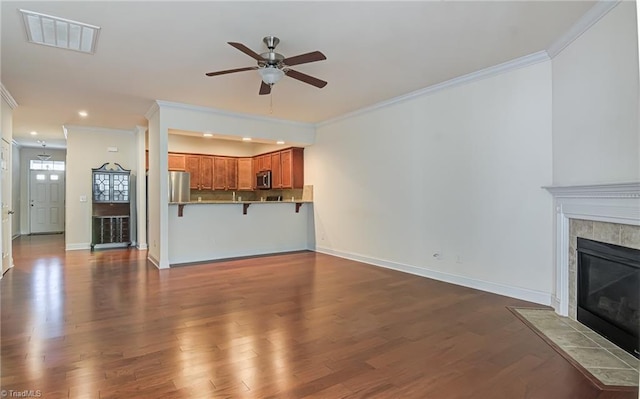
<point x="36" y="164"/>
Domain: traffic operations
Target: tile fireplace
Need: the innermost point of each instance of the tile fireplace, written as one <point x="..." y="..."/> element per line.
<point x="609" y="213"/>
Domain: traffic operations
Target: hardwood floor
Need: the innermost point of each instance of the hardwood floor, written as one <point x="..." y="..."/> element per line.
<point x="108" y="324"/>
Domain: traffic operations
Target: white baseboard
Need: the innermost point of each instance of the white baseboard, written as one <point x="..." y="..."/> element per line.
<point x="154" y="261"/>
<point x="77" y="246"/>
<point x="142" y="246"/>
<point x="524" y="294"/>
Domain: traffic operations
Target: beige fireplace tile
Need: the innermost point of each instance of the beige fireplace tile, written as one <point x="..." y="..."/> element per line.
<point x="606" y="232"/>
<point x="602" y="341"/>
<point x="596" y="358"/>
<point x="580" y="228"/>
<point x="626" y="357"/>
<point x="578" y="326"/>
<point x="570" y="338"/>
<point x="549" y="324"/>
<point x="538" y="314"/>
<point x="630" y="236"/>
<point x="615" y="376"/>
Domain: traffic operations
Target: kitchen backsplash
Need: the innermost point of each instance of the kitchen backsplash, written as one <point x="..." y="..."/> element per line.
<point x="257" y="195"/>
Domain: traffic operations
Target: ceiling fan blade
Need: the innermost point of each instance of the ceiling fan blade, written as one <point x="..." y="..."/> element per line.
<point x="247" y="51"/>
<point x="264" y="88"/>
<point x="306" y="78"/>
<point x="230" y="71"/>
<point x="304" y="58"/>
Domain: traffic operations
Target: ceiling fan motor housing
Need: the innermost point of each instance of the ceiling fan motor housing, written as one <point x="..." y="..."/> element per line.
<point x="272" y="58"/>
<point x="271" y="42"/>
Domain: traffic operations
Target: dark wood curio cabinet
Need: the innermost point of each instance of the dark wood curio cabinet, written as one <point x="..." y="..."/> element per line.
<point x="111" y="202"/>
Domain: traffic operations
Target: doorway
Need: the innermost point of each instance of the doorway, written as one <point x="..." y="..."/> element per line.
<point x="5" y="173"/>
<point x="46" y="197"/>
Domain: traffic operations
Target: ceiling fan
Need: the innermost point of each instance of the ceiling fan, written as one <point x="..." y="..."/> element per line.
<point x="273" y="66"/>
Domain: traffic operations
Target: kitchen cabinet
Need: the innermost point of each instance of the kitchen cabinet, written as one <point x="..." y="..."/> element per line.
<point x="200" y="167"/>
<point x="177" y="162"/>
<point x="225" y="173"/>
<point x="246" y="175"/>
<point x="263" y="162"/>
<point x="292" y="168"/>
<point x="276" y="175"/>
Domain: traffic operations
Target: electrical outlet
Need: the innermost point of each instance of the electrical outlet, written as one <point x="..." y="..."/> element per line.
<point x="458" y="259"/>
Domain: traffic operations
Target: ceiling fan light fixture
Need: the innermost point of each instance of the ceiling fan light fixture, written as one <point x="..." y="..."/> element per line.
<point x="270" y="75"/>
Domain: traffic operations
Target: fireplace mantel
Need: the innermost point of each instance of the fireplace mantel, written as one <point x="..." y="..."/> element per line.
<point x="613" y="203"/>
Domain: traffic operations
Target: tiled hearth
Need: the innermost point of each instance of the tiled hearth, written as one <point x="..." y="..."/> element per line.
<point x="592" y="354"/>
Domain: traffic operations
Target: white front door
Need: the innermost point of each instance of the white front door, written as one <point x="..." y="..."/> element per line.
<point x="46" y="201"/>
<point x="5" y="174"/>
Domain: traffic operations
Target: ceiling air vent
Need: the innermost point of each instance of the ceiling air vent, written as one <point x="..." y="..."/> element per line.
<point x="59" y="32"/>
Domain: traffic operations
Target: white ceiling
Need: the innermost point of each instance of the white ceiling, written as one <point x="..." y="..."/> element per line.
<point x="161" y="50"/>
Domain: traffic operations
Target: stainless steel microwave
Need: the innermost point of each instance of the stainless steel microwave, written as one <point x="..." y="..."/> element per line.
<point x="263" y="180"/>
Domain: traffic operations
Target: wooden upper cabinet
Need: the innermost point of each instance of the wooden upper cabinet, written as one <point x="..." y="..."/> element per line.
<point x="209" y="172"/>
<point x="192" y="165"/>
<point x="232" y="173"/>
<point x="245" y="174"/>
<point x="206" y="173"/>
<point x="292" y="168"/>
<point x="276" y="175"/>
<point x="219" y="173"/>
<point x="225" y="175"/>
<point x="265" y="162"/>
<point x="177" y="162"/>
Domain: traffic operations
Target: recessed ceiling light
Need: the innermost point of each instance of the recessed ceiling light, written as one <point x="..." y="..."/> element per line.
<point x="208" y="135"/>
<point x="83" y="114"/>
<point x="279" y="142"/>
<point x="34" y="133"/>
<point x="246" y="139"/>
<point x="59" y="32"/>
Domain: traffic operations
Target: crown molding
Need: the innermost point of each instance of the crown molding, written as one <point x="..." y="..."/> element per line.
<point x="152" y="110"/>
<point x="610" y="190"/>
<point x="94" y="129"/>
<point x="8" y="97"/>
<point x="239" y="115"/>
<point x="595" y="13"/>
<point x="521" y="62"/>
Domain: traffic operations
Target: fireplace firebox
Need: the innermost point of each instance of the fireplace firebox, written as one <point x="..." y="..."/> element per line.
<point x="609" y="292"/>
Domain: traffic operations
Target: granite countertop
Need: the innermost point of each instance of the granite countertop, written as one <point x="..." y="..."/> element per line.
<point x="297" y="201"/>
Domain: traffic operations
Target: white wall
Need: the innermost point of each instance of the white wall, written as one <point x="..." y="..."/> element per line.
<point x="87" y="149"/>
<point x="458" y="172"/>
<point x="201" y="145"/>
<point x="595" y="103"/>
<point x="202" y="119"/>
<point x="26" y="155"/>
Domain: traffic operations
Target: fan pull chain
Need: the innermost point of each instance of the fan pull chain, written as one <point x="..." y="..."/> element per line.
<point x="271" y="102"/>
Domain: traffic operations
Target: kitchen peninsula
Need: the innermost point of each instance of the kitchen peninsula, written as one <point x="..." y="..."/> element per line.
<point x="219" y="229"/>
<point x="228" y="214"/>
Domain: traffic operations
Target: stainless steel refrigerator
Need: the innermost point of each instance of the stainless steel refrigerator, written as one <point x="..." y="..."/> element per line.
<point x="179" y="190"/>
